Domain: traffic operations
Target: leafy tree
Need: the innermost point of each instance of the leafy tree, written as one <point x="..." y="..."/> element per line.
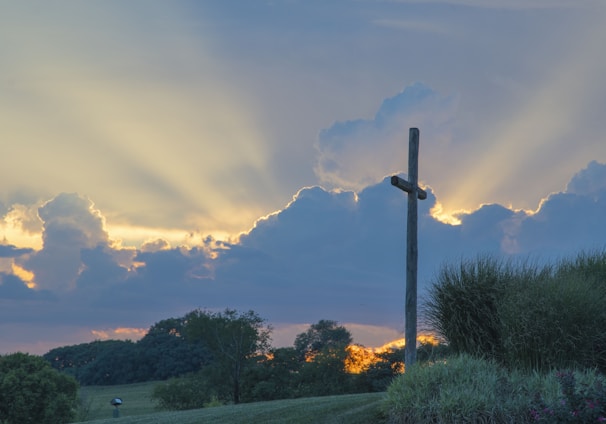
<point x="325" y="374"/>
<point x="162" y="353"/>
<point x="104" y="362"/>
<point x="325" y="334"/>
<point x="233" y="338"/>
<point x="276" y="376"/>
<point x="381" y="373"/>
<point x="165" y="352"/>
<point x="31" y="392"/>
<point x="323" y="349"/>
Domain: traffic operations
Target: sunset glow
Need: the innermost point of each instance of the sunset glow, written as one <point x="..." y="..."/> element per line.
<point x="120" y="333"/>
<point x="437" y="212"/>
<point x="25" y="275"/>
<point x="361" y="358"/>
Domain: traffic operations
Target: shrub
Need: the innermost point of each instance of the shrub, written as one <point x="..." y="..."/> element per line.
<point x="582" y="399"/>
<point x="182" y="393"/>
<point x="31" y="392"/>
<point x="460" y="389"/>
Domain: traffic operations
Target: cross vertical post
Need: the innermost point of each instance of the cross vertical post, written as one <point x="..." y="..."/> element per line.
<point x="414" y="193"/>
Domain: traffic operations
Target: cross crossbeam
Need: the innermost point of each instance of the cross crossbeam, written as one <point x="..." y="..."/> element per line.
<point x="402" y="184"/>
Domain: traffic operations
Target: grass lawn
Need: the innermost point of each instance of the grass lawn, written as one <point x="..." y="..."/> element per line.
<point x="137" y="400"/>
<point x="139" y="409"/>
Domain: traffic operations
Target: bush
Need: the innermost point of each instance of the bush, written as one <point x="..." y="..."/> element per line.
<point x="31" y="392"/>
<point x="581" y="399"/>
<point x="460" y="389"/>
<point x="182" y="393"/>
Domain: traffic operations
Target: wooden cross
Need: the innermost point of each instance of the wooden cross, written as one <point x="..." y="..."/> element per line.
<point x="414" y="192"/>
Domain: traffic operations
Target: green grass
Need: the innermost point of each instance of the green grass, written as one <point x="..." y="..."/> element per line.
<point x="137" y="400"/>
<point x="138" y="408"/>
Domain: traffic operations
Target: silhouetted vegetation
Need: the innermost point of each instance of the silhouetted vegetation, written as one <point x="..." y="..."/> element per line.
<point x="31" y="392"/>
<point x="207" y="358"/>
<point x="530" y="343"/>
<point x="523" y="315"/>
<point x="164" y="352"/>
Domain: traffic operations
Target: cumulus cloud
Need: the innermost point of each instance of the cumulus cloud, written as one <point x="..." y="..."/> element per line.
<point x="591" y="180"/>
<point x="70" y="224"/>
<point x="565" y="223"/>
<point x="354" y="154"/>
<point x="155" y="245"/>
<point x="328" y="254"/>
<point x="342" y="255"/>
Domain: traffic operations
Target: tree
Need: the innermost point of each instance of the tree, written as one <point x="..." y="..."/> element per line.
<point x="162" y="353"/>
<point x="102" y="362"/>
<point x="325" y="374"/>
<point x="325" y="334"/>
<point x="233" y="338"/>
<point x="165" y="352"/>
<point x="276" y="376"/>
<point x="323" y="349"/>
<point x="32" y="392"/>
<point x="381" y="373"/>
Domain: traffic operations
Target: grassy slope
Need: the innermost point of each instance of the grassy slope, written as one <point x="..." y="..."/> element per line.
<point x="139" y="409"/>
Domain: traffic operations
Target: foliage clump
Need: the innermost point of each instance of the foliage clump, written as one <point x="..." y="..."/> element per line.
<point x="164" y="352"/>
<point x="459" y="389"/>
<point x="581" y="399"/>
<point x="31" y="392"/>
<point x="521" y="315"/>
<point x="467" y="389"/>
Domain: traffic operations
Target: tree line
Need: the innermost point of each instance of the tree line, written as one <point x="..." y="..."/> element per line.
<point x="226" y="357"/>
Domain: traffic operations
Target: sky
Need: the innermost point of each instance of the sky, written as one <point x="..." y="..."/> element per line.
<point x="159" y="157"/>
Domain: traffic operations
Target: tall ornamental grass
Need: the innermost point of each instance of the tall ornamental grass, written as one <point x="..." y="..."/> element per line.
<point x="523" y="315"/>
<point x="557" y="323"/>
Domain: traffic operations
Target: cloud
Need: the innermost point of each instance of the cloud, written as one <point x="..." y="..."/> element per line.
<point x="167" y="133"/>
<point x="510" y="4"/>
<point x="589" y="181"/>
<point x="12" y="287"/>
<point x="569" y="221"/>
<point x="120" y="333"/>
<point x="354" y="154"/>
<point x="328" y="254"/>
<point x="341" y="255"/>
<point x="70" y="224"/>
<point x="185" y="121"/>
<point x="10" y="251"/>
